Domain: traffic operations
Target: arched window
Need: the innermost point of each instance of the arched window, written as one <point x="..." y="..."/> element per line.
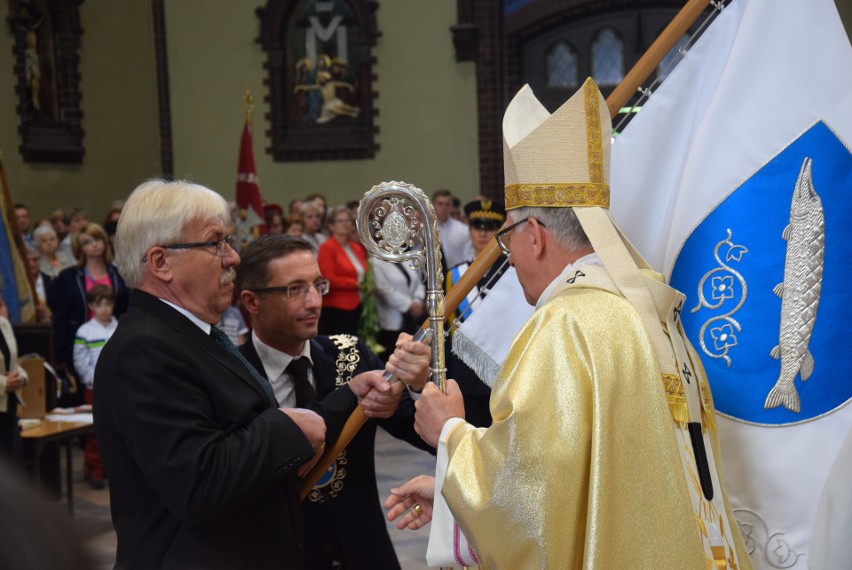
<point x="607" y="57"/>
<point x="562" y="66"/>
<point x="672" y="58"/>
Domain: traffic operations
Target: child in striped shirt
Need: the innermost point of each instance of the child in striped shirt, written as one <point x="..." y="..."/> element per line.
<point x="88" y="343"/>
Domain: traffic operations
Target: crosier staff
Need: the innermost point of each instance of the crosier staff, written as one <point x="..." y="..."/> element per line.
<point x="397" y="223"/>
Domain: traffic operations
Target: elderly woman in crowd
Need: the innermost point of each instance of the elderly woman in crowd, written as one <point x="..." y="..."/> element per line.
<point x="51" y="259"/>
<point x="93" y="252"/>
<point x="343" y="262"/>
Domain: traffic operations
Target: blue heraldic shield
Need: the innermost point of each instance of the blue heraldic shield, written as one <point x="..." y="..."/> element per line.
<point x="765" y="274"/>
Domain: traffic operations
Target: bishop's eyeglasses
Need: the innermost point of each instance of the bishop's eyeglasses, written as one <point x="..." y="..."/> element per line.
<point x="503" y="239"/>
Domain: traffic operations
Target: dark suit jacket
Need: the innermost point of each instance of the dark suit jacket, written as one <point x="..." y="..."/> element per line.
<point x="202" y="466"/>
<point x="343" y="517"/>
<point x="49" y="290"/>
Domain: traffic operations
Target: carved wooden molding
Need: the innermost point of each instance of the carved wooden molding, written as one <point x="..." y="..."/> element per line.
<point x="46" y="65"/>
<point x="313" y="116"/>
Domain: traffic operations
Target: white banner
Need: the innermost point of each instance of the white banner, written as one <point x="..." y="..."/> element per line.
<point x="749" y="136"/>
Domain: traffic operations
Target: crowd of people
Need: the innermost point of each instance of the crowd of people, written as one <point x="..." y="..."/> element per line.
<point x="71" y="263"/>
<point x="597" y="447"/>
<point x="69" y="260"/>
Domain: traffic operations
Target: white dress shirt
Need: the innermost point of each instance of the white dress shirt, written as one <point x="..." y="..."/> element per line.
<point x="454" y="236"/>
<point x="275" y="365"/>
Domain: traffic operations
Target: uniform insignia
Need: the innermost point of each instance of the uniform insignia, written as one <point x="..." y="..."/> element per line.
<point x="331" y="482"/>
<point x="348" y="357"/>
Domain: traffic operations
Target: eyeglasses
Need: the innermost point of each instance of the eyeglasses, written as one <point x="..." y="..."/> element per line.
<point x="503" y="242"/>
<point x="219" y="244"/>
<point x="296" y="291"/>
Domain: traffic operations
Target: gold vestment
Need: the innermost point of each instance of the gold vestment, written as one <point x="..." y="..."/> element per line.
<point x="582" y="465"/>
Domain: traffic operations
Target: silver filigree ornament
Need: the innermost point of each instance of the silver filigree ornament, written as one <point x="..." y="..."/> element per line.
<point x="723" y="290"/>
<point x="397" y="223"/>
<point x="770" y="549"/>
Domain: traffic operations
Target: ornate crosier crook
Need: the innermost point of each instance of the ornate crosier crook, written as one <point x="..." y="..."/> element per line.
<point x="396" y="223"/>
<point x="391" y="225"/>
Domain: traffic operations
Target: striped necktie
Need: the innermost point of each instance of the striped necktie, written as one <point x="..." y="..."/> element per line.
<point x="220" y="337"/>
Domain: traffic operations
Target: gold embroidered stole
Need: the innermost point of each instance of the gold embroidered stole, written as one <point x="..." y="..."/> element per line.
<point x="687" y="402"/>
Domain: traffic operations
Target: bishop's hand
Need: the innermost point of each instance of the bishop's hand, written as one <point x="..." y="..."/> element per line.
<point x="434" y="408"/>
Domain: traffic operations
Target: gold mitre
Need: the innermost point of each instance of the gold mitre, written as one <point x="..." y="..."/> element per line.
<point x="559" y="160"/>
<point x="562" y="161"/>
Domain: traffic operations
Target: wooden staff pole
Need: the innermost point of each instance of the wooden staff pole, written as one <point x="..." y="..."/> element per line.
<point x="617" y="99"/>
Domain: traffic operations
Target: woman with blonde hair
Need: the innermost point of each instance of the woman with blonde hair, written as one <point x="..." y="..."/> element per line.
<point x="312" y="213"/>
<point x="93" y="251"/>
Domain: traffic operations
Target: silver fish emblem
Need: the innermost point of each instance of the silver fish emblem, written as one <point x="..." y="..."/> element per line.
<point x="799" y="291"/>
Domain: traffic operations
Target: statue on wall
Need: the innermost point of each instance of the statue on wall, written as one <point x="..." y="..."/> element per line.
<point x="37" y="33"/>
<point x="32" y="67"/>
<point x="47" y="40"/>
<point x="324" y="104"/>
<point x="320" y="78"/>
<point x="323" y="89"/>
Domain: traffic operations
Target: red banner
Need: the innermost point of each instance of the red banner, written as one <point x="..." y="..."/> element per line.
<point x="250" y="220"/>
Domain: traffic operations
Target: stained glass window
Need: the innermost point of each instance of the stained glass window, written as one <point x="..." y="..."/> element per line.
<point x="607" y="57"/>
<point x="562" y="66"/>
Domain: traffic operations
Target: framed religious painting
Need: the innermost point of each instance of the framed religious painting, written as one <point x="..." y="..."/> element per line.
<point x="46" y="45"/>
<point x="320" y="78"/>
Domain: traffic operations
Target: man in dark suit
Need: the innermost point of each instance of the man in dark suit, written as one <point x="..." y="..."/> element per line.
<point x="281" y="287"/>
<point x="202" y="463"/>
